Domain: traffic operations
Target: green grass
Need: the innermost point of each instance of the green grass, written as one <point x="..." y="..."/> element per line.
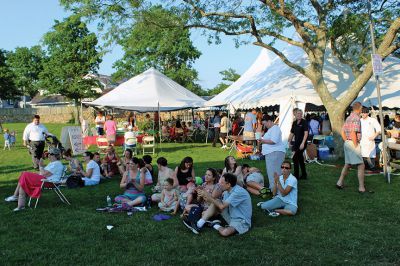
<point x="332" y="226"/>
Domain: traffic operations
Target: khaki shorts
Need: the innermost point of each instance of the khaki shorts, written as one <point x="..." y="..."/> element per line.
<point x="352" y="155"/>
<point x="248" y="134"/>
<point x="240" y="225"/>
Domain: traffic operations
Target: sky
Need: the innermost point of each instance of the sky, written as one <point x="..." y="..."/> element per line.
<point x="24" y="22"/>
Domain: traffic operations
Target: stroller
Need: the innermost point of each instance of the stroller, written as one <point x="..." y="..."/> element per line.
<point x="53" y="142"/>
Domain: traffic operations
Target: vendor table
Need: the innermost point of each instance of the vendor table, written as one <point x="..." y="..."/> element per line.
<point x="91" y="140"/>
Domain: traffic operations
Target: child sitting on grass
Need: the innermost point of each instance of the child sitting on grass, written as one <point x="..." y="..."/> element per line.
<point x="169" y="197"/>
<point x="254" y="181"/>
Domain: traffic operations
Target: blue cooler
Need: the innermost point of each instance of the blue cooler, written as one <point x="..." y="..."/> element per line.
<point x="323" y="152"/>
<point x="329" y="141"/>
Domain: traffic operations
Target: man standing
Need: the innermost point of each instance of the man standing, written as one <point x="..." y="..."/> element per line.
<point x="235" y="208"/>
<point x="33" y="138"/>
<point x="370" y="129"/>
<point x="250" y="123"/>
<point x="351" y="134"/>
<point x="300" y="133"/>
<point x="217" y="127"/>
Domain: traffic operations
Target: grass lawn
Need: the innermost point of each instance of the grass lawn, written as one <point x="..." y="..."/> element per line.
<point x="332" y="226"/>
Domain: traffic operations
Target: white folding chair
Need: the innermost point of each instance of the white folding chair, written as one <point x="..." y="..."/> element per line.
<point x="131" y="143"/>
<point x="55" y="186"/>
<point x="102" y="144"/>
<point x="148" y="142"/>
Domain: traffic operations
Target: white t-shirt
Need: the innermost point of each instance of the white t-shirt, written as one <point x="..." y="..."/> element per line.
<point x="274" y="134"/>
<point x="96" y="170"/>
<point x="56" y="168"/>
<point x="100" y="119"/>
<point x="34" y="132"/>
<point x="369" y="126"/>
<point x="290" y="198"/>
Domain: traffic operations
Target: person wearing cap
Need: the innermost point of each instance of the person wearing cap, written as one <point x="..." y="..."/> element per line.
<point x="33" y="138"/>
<point x="370" y="129"/>
<point x="31" y="183"/>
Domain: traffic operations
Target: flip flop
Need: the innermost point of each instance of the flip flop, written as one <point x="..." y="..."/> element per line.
<point x="161" y="217"/>
<point x="339" y="186"/>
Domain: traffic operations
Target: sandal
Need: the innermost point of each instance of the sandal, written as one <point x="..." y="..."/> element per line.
<point x="339" y="186"/>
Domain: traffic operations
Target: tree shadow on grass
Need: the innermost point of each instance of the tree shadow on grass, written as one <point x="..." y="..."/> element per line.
<point x="6" y="169"/>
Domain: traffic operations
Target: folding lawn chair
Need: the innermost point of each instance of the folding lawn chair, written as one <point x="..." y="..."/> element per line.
<point x="55" y="186"/>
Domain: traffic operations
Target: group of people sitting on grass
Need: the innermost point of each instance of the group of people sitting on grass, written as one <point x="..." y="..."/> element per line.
<point x="176" y="130"/>
<point x="221" y="195"/>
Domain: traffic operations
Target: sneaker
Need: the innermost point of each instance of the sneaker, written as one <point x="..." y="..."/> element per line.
<point x="212" y="223"/>
<point x="259" y="203"/>
<point x="192" y="226"/>
<point x="274" y="214"/>
<point x="19" y="209"/>
<point x="11" y="198"/>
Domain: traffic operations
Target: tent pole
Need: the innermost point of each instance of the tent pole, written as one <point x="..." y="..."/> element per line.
<point x="208" y="125"/>
<point x="159" y="123"/>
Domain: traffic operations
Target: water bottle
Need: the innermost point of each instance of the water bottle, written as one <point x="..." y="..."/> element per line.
<point x="149" y="202"/>
<point x="109" y="203"/>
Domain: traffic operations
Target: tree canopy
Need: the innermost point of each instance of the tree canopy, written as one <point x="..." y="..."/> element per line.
<point x="157" y="39"/>
<point x="72" y="54"/>
<point x="26" y="64"/>
<point x="8" y="90"/>
<point x="229" y="75"/>
<point x="319" y="24"/>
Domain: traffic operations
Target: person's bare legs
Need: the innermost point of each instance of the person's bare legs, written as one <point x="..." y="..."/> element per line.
<point x="227" y="231"/>
<point x="210" y="212"/>
<point x="21" y="197"/>
<point x="360" y="175"/>
<point x="345" y="170"/>
<point x="253" y="190"/>
<point x="284" y="212"/>
<point x="135" y="202"/>
<point x="16" y="192"/>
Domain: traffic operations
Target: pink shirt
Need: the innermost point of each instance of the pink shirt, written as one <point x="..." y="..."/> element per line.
<point x="110" y="127"/>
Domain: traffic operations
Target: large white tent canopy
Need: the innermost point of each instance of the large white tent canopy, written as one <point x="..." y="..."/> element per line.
<point x="269" y="81"/>
<point x="149" y="91"/>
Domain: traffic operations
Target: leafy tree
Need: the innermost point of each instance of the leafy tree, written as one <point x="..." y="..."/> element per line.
<point x="318" y="23"/>
<point x="27" y="63"/>
<point x="150" y="37"/>
<point x="8" y="90"/>
<point x="229" y="75"/>
<point x="156" y="40"/>
<point x="72" y="54"/>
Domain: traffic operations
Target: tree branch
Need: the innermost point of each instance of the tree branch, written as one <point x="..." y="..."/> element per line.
<point x="385" y="49"/>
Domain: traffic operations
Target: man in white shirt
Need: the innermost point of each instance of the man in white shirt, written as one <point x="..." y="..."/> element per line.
<point x="33" y="138"/>
<point x="370" y="129"/>
<point x="273" y="148"/>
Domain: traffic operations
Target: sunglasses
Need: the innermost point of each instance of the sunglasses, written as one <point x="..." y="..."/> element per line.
<point x="51" y="154"/>
<point x="285" y="167"/>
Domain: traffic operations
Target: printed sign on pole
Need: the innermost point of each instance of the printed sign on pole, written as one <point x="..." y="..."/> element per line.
<point x="377" y="64"/>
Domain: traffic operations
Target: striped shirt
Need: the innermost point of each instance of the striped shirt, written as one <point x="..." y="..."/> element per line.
<point x="352" y="124"/>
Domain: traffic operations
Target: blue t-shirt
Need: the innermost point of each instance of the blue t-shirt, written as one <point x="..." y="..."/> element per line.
<point x="6" y="136"/>
<point x="239" y="203"/>
<point x="249" y="121"/>
<point x="290" y="198"/>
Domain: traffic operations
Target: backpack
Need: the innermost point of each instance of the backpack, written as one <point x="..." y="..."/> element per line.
<point x="195" y="214"/>
<point x="74" y="181"/>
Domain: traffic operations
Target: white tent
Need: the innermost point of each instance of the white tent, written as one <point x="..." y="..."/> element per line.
<point x="149" y="91"/>
<point x="269" y="81"/>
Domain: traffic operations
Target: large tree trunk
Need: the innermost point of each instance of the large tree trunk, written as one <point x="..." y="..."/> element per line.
<point x="336" y="116"/>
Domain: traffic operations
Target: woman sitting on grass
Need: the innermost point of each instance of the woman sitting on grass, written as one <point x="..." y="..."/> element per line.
<point x="133" y="183"/>
<point x="74" y="164"/>
<point x="185" y="174"/>
<point x="285" y="192"/>
<point x="210" y="185"/>
<point x="30" y="183"/>
<point x="232" y="168"/>
<point x="122" y="167"/>
<point x="92" y="175"/>
<point x="164" y="172"/>
<point x="149" y="174"/>
<point x="169" y="197"/>
<point x="110" y="162"/>
<point x="254" y="181"/>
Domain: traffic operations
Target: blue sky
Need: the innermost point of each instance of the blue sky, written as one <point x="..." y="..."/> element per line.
<point x="23" y="23"/>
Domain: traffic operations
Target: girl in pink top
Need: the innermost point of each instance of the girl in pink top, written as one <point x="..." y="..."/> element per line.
<point x="111" y="129"/>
